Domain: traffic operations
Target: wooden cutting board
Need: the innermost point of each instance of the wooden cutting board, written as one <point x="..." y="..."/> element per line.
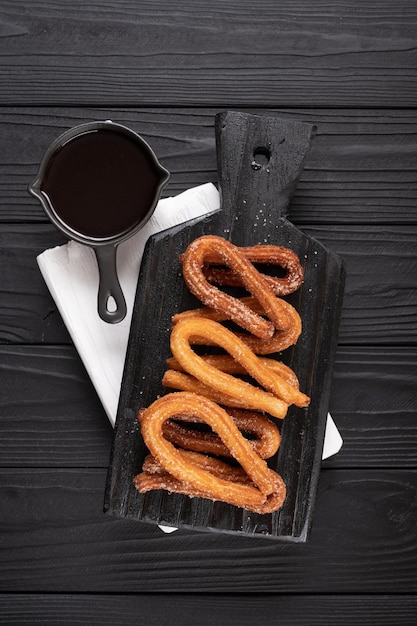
<point x="259" y="162"/>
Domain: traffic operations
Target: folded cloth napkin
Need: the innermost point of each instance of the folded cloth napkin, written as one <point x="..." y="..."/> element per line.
<point x="71" y="274"/>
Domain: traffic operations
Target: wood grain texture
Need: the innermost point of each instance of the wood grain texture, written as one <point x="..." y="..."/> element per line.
<point x="374" y="404"/>
<point x="241" y="610"/>
<point x="165" y="69"/>
<point x="376" y="309"/>
<point x="361" y="168"/>
<point x="239" y="53"/>
<point x="29" y="314"/>
<point x="364" y="540"/>
<point x="380" y="295"/>
<point x="51" y="417"/>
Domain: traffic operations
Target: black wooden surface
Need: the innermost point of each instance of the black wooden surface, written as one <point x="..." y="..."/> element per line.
<point x="165" y="69"/>
<point x="254" y="204"/>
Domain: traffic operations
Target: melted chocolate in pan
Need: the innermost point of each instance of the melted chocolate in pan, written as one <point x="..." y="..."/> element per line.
<point x="100" y="184"/>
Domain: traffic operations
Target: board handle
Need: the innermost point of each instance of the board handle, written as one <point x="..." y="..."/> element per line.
<point x="259" y="161"/>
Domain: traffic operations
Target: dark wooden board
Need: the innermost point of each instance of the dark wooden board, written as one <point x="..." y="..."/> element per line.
<point x="241" y="610"/>
<point x="254" y="204"/>
<point x="363" y="540"/>
<point x="361" y="168"/>
<point x="234" y="54"/>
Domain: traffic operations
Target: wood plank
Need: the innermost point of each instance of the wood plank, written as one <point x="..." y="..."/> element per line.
<point x="27" y="311"/>
<point x="241" y="610"/>
<point x="50" y="415"/>
<point x="163" y="53"/>
<point x="362" y="167"/>
<point x="56" y="539"/>
<point x="380" y="295"/>
<point x="374" y="404"/>
<point x="380" y="304"/>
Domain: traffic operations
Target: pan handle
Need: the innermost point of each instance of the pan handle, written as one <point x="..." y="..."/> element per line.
<point x="111" y="301"/>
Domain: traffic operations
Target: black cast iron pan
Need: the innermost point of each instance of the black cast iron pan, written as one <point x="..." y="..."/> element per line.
<point x="259" y="162"/>
<point x="99" y="183"/>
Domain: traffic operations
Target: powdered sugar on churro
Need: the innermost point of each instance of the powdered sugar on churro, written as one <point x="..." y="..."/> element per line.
<point x="209" y="389"/>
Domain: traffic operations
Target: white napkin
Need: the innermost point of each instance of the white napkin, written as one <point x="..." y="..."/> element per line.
<point x="71" y="274"/>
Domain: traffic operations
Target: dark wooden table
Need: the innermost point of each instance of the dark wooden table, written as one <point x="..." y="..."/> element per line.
<point x="165" y="68"/>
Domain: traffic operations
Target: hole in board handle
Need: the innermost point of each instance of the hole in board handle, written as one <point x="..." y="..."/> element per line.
<point x="261" y="156"/>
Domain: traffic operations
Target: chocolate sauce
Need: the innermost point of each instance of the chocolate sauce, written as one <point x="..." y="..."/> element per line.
<point x="101" y="184"/>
